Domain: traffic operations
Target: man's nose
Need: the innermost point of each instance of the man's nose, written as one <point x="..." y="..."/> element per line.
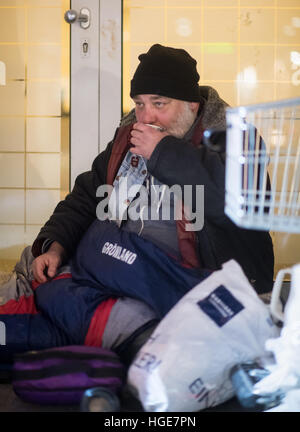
<point x="148" y="115"/>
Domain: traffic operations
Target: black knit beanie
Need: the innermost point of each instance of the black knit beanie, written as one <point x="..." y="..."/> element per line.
<point x="166" y="71"/>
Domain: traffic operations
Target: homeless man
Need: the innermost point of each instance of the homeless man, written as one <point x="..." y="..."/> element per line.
<point x="107" y="281"/>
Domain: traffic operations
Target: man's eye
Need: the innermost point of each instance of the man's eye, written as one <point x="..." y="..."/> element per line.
<point x="159" y="104"/>
<point x="138" y="104"/>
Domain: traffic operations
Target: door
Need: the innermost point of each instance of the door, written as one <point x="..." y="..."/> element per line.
<point x="95" y="80"/>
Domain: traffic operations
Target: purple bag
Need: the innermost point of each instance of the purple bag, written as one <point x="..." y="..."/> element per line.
<point x="60" y="376"/>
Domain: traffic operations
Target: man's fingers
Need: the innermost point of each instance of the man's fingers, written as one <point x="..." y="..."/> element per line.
<point x="135" y="134"/>
<point x="39" y="266"/>
<point x="140" y="127"/>
<point x="135" y="150"/>
<point x="38" y="271"/>
<point x="52" y="268"/>
<point x="134" y="141"/>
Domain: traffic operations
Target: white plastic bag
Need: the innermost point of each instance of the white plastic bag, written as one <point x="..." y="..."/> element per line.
<point x="185" y="364"/>
<point x="285" y="374"/>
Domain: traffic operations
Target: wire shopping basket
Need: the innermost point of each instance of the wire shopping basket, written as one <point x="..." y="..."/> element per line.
<point x="262" y="186"/>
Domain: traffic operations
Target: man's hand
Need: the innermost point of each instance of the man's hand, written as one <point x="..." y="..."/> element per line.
<point x="48" y="262"/>
<point x="145" y="138"/>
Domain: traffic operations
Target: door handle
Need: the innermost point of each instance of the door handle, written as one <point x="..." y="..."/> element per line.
<point x="84" y="17"/>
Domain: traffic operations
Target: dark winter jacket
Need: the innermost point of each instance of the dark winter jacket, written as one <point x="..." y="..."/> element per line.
<point x="181" y="162"/>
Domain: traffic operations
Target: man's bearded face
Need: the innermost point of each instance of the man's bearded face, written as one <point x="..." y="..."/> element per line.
<point x="174" y="116"/>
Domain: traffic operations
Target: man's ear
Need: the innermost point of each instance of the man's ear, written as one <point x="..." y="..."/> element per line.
<point x="194" y="106"/>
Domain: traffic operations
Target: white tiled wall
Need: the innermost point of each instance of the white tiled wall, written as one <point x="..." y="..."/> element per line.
<point x="43" y="134"/>
<point x="32" y="35"/>
<point x="43" y="170"/>
<point x="12" y="97"/>
<point x="12" y="170"/>
<point x="247" y="49"/>
<point x="47" y="200"/>
<point x="44" y="62"/>
<point x="12" y="244"/>
<point x="12" y="206"/>
<point x="12" y="29"/>
<point x="12" y="134"/>
<point x="43" y="98"/>
<point x="243" y="47"/>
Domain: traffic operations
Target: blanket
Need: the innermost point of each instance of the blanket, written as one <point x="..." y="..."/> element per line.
<point x="109" y="264"/>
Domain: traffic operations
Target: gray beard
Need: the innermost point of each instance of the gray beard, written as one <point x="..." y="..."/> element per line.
<point x="183" y="123"/>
